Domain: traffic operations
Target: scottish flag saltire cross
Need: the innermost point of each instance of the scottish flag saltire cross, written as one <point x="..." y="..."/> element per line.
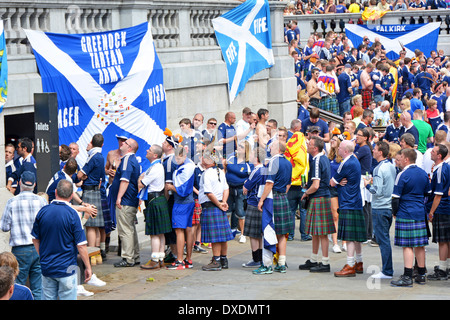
<point x="3" y="68"/>
<point x="415" y="36"/>
<point x="107" y="82"/>
<point x="244" y="36"/>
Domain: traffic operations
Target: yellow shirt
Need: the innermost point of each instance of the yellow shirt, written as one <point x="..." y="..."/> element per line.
<point x="354" y="8"/>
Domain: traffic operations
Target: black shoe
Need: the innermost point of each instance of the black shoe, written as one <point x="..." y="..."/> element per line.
<point x="103" y="254"/>
<point x="403" y="281"/>
<point x="421" y="279"/>
<point x="438" y="275"/>
<point x="308" y="265"/>
<point x="123" y="263"/>
<point x="320" y="268"/>
<point x="224" y="263"/>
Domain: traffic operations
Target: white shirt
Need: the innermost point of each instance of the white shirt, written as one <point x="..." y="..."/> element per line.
<point x="154" y="178"/>
<point x="209" y="183"/>
<point x="242" y="126"/>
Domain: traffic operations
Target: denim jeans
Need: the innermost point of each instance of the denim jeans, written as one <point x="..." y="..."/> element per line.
<point x="63" y="288"/>
<point x="344" y="107"/>
<point x="382" y="220"/>
<point x="294" y="197"/>
<point x="236" y="205"/>
<point x="29" y="267"/>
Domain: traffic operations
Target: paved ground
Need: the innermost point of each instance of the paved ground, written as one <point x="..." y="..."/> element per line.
<point x="239" y="283"/>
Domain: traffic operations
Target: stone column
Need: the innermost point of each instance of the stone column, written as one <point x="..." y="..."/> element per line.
<point x="282" y="84"/>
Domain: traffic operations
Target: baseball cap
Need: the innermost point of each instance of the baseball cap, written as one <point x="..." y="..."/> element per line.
<point x="28" y="178"/>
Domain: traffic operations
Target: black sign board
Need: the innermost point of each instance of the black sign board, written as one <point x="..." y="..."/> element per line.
<point x="46" y="144"/>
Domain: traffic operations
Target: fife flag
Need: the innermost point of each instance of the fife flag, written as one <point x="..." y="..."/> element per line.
<point x="415" y="36"/>
<point x="107" y="82"/>
<point x="3" y="68"/>
<point x="244" y="36"/>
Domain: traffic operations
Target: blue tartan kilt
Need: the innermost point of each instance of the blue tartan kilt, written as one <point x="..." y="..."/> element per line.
<point x="215" y="226"/>
<point x="351" y="225"/>
<point x="410" y="233"/>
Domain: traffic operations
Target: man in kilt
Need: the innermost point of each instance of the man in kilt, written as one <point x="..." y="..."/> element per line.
<point x="93" y="174"/>
<point x="408" y="206"/>
<point x="328" y="86"/>
<point x="279" y="174"/>
<point x="439" y="213"/>
<point x="213" y="196"/>
<point x="351" y="224"/>
<point x="157" y="219"/>
<point x="253" y="220"/>
<point x="366" y="85"/>
<point x="319" y="220"/>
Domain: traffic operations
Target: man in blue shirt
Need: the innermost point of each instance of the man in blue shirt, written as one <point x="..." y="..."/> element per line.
<point x="58" y="237"/>
<point x="319" y="220"/>
<point x="93" y="174"/>
<point x="279" y="182"/>
<point x="439" y="213"/>
<point x="123" y="192"/>
<point x="423" y="80"/>
<point x="65" y="174"/>
<point x="346" y="89"/>
<point x="408" y="198"/>
<point x="227" y="134"/>
<point x="416" y="102"/>
<point x="315" y="121"/>
<point x="393" y="129"/>
<point x="351" y="225"/>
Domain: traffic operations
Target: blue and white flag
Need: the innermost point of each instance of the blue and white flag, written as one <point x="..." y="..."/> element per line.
<point x="244" y="35"/>
<point x="106" y="82"/>
<point x="3" y="68"/>
<point x="411" y="36"/>
<point x="268" y="228"/>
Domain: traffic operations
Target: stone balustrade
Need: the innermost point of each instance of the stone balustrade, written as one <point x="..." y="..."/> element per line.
<point x="322" y="23"/>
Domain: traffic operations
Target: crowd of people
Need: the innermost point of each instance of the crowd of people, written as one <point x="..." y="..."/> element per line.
<point x="299" y="7"/>
<point x="346" y="181"/>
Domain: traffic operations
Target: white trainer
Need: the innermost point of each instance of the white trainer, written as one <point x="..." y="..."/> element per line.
<point x="380" y="275"/>
<point x="336" y="249"/>
<point x="81" y="291"/>
<point x="96" y="281"/>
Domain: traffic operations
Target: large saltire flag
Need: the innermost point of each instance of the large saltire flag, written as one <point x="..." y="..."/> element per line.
<point x="398" y="36"/>
<point x="370" y="14"/>
<point x="244" y="36"/>
<point x="107" y="82"/>
<point x="3" y="68"/>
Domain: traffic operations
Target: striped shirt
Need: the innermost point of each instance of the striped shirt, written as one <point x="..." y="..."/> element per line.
<point x="19" y="215"/>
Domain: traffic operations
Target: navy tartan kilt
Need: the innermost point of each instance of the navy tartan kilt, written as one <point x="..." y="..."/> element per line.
<point x="253" y="222"/>
<point x="283" y="218"/>
<point x="351" y="225"/>
<point x="94" y="197"/>
<point x="157" y="218"/>
<point x="441" y="228"/>
<point x="215" y="226"/>
<point x="410" y="233"/>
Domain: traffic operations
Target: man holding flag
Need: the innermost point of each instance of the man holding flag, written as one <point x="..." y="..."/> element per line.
<point x="278" y="183"/>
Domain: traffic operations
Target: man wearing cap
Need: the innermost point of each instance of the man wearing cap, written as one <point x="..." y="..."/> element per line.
<point x="346" y="89"/>
<point x="124" y="201"/>
<point x="18" y="218"/>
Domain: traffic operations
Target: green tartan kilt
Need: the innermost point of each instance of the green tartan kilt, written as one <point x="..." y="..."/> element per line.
<point x="352" y="226"/>
<point x="319" y="220"/>
<point x="157" y="218"/>
<point x="283" y="218"/>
